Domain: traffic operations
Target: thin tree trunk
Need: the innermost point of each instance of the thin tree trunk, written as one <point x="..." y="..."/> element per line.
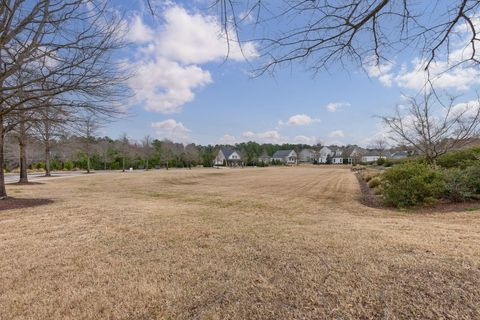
<point x="3" y="191"/>
<point x="147" y="164"/>
<point x="23" y="160"/>
<point x="88" y="163"/>
<point x="47" y="161"/>
<point x="123" y="164"/>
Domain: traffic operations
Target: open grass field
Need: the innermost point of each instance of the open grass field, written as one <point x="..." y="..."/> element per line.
<point x="265" y="243"/>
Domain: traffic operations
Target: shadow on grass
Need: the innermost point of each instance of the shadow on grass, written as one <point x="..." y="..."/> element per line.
<point x="30" y="183"/>
<point x="18" y="203"/>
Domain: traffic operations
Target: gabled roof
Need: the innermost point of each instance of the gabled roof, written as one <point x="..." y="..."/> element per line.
<point x="227" y="152"/>
<point x="372" y="153"/>
<point x="311" y="151"/>
<point x="281" y="153"/>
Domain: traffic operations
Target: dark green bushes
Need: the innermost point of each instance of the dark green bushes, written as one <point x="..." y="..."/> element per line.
<point x="459" y="159"/>
<point x="412" y="184"/>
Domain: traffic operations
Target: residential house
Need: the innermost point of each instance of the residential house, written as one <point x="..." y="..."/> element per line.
<point x="324" y="154"/>
<point x="337" y="156"/>
<point x="285" y="156"/>
<point x="229" y="157"/>
<point x="399" y="154"/>
<point x="265" y="159"/>
<point x="307" y="155"/>
<point x="372" y="156"/>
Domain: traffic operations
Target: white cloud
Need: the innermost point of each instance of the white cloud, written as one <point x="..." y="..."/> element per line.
<point x="139" y="32"/>
<point x="300" y="120"/>
<point x="460" y="78"/>
<point x="248" y="134"/>
<point x="382" y="71"/>
<point x="465" y="109"/>
<point x="167" y="58"/>
<point x="172" y="130"/>
<point x="443" y="74"/>
<point x="269" y="136"/>
<point x="165" y="86"/>
<point x="334" y="106"/>
<point x="196" y="38"/>
<point x="227" y="139"/>
<point x="306" y="140"/>
<point x="336" y="134"/>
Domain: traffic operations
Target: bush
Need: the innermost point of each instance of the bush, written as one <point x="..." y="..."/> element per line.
<point x="380" y="161"/>
<point x="472" y="175"/>
<point x="456" y="187"/>
<point x="412" y="184"/>
<point x="68" y="165"/>
<point x="459" y="159"/>
<point x="374" y="182"/>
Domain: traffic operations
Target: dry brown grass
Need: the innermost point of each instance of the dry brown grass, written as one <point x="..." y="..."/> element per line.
<point x="272" y="243"/>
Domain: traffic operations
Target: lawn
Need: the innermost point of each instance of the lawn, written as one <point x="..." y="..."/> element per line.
<point x="260" y="243"/>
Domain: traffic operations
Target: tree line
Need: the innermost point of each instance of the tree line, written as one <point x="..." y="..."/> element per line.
<point x="74" y="148"/>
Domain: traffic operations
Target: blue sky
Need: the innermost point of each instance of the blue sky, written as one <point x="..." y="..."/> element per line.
<point x="186" y="92"/>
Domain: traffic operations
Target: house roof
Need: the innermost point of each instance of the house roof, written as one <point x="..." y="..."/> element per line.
<point x="310" y="151"/>
<point x="227" y="152"/>
<point x="281" y="153"/>
<point x="399" y="154"/>
<point x="372" y="153"/>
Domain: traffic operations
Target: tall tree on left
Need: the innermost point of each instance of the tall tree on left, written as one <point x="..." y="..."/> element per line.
<point x="62" y="50"/>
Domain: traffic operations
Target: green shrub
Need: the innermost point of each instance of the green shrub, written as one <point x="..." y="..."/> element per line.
<point x="39" y="165"/>
<point x="411" y="184"/>
<point x="456" y="187"/>
<point x="68" y="165"/>
<point x="374" y="182"/>
<point x="380" y="161"/>
<point x="459" y="159"/>
<point x="472" y="175"/>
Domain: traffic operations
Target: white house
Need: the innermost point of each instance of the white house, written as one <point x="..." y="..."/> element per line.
<point x="286" y="156"/>
<point x="307" y="155"/>
<point x="324" y="153"/>
<point x="337" y="156"/>
<point x="372" y="156"/>
<point x="228" y="157"/>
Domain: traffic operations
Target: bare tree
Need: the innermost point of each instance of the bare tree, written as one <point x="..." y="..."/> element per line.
<point x="191" y="154"/>
<point x="87" y="127"/>
<point x="433" y="128"/>
<point x="48" y="125"/>
<point x="124" y="148"/>
<point x="380" y="145"/>
<point x="320" y="33"/>
<point x="104" y="148"/>
<point x="61" y="49"/>
<point x="147" y="149"/>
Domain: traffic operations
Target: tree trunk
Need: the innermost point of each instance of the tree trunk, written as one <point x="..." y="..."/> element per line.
<point x="23" y="160"/>
<point x="47" y="161"/>
<point x="3" y="191"/>
<point x="147" y="165"/>
<point x="88" y="163"/>
<point x="123" y="164"/>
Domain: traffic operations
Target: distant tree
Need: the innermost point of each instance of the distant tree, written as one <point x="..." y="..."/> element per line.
<point x="49" y="125"/>
<point x="147" y="149"/>
<point x="87" y="127"/>
<point x="380" y="145"/>
<point x="124" y="148"/>
<point x="191" y="154"/>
